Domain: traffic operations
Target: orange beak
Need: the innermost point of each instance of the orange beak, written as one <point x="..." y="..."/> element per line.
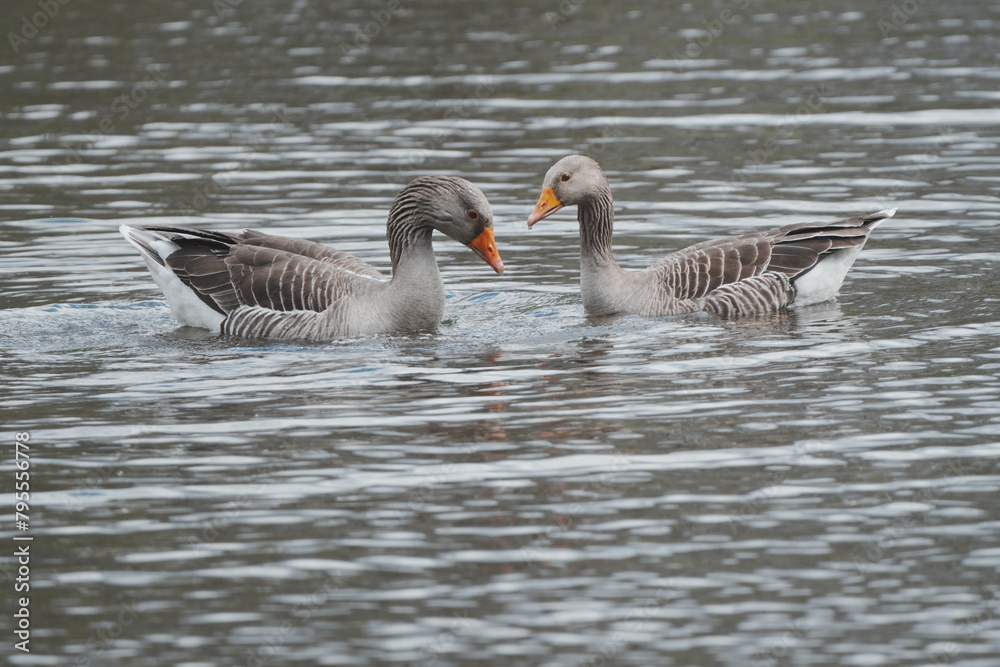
<point x="547" y="204"/>
<point x="485" y="246"/>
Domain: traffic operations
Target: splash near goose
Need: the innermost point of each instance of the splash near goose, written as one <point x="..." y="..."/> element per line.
<point x="760" y="272"/>
<point x="256" y="285"/>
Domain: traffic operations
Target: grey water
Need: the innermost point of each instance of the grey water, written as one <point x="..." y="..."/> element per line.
<point x="527" y="485"/>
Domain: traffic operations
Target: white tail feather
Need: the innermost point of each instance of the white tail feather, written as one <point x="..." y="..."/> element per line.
<point x="184" y="303"/>
<point x="823" y="282"/>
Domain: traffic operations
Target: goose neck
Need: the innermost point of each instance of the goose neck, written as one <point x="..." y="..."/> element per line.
<point x="596" y="217"/>
<point x="409" y="238"/>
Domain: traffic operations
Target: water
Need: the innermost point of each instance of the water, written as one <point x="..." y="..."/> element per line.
<point x="528" y="485"/>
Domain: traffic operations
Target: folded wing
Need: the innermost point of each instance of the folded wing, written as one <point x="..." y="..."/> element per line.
<point x="257" y="270"/>
<point x="791" y="251"/>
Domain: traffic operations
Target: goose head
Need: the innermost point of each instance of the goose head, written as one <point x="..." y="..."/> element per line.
<point x="454" y="207"/>
<point x="571" y="181"/>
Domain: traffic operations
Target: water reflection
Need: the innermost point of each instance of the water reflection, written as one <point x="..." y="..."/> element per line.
<point x="528" y="484"/>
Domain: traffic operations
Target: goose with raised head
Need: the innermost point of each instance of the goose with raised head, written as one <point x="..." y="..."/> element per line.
<point x="256" y="285"/>
<point x="794" y="265"/>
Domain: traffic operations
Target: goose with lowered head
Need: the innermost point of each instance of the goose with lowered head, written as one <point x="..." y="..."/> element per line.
<point x="759" y="272"/>
<point x="257" y="285"/>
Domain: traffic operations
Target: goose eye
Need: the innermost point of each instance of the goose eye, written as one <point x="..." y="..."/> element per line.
<point x="565" y="177"/>
<point x="473" y="214"/>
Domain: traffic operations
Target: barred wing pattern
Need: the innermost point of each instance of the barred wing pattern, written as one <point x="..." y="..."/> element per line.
<point x="756" y="272"/>
<point x="760" y="294"/>
<point x="258" y="322"/>
<point x="272" y="273"/>
<point x="695" y="271"/>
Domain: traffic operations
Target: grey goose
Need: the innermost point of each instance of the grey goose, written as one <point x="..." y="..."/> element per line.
<point x="257" y="285"/>
<point x="759" y="272"/>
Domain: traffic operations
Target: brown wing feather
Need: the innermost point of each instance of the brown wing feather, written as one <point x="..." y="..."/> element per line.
<point x="339" y="258"/>
<point x="280" y="281"/>
<point x="696" y="271"/>
<point x="795" y="258"/>
<point x="799" y="247"/>
<point x="259" y="270"/>
<point x="203" y="268"/>
<point x="792" y="250"/>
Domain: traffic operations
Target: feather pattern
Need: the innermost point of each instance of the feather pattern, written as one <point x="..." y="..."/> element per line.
<point x="760" y="272"/>
<point x="257" y="285"/>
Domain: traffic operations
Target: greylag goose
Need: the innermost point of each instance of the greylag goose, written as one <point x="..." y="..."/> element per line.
<point x="760" y="272"/>
<point x="257" y="285"/>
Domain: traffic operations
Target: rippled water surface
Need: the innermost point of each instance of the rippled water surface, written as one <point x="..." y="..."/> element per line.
<point x="527" y="485"/>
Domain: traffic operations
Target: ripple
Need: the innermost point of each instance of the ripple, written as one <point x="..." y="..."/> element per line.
<point x="527" y="484"/>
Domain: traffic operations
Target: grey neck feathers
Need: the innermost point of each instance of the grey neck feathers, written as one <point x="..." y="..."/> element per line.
<point x="596" y="218"/>
<point x="407" y="231"/>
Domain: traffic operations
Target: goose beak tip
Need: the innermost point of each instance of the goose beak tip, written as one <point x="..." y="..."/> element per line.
<point x="547" y="204"/>
<point x="485" y="248"/>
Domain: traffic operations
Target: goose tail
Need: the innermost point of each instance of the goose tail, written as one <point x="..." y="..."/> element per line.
<point x="184" y="302"/>
<point x="823" y="281"/>
<point x="873" y="220"/>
